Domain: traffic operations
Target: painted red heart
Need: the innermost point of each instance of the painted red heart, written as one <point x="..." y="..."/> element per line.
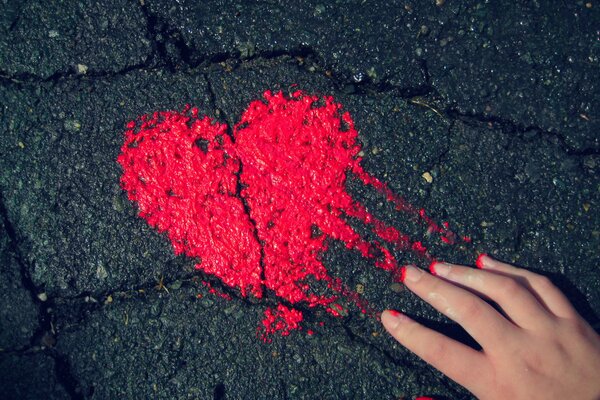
<point x="256" y="208"/>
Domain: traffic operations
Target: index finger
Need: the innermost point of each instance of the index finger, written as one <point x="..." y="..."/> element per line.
<point x="452" y="358"/>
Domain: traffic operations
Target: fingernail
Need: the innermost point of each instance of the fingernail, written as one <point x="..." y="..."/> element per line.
<point x="391" y="318"/>
<point x="440" y="268"/>
<point x="479" y="263"/>
<point x="411" y="273"/>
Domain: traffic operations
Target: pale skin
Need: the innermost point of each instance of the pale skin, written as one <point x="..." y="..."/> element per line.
<point x="539" y="347"/>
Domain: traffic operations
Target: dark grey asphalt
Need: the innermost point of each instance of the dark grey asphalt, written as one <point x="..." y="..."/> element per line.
<point x="497" y="102"/>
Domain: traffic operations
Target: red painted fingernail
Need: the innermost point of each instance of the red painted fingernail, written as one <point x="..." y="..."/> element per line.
<point x="479" y="262"/>
<point x="432" y="267"/>
<point x="440" y="269"/>
<point x="394" y="313"/>
<point x="412" y="273"/>
<point x="402" y="274"/>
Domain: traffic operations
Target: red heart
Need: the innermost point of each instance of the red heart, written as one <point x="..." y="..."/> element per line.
<point x="257" y="212"/>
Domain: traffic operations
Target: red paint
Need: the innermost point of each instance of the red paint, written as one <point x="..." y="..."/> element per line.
<point x="216" y="292"/>
<point x="479" y="261"/>
<point x="190" y="195"/>
<point x="257" y="210"/>
<point x="282" y="320"/>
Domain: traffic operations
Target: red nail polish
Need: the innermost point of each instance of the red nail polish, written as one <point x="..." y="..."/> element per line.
<point x="394" y="313"/>
<point x="479" y="262"/>
<point x="402" y="274"/>
<point x="432" y="267"/>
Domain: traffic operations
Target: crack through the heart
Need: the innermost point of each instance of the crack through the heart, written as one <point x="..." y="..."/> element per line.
<point x="259" y="211"/>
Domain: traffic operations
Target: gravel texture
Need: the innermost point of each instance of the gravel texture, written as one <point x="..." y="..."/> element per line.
<point x="481" y="113"/>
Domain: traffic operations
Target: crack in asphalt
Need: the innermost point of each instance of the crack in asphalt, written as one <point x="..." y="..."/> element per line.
<point x="404" y="363"/>
<point x="160" y="60"/>
<point x="26" y="281"/>
<point x="521" y="130"/>
<point x="45" y="318"/>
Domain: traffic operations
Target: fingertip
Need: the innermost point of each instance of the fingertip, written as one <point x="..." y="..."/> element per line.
<point x="432" y="267"/>
<point x="391" y="319"/>
<point x="481" y="261"/>
<point x="403" y="274"/>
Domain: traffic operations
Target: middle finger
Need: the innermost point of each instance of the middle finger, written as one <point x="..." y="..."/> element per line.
<point x="479" y="319"/>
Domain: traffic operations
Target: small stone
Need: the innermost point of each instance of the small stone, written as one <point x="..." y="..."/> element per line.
<point x="360" y="288"/>
<point x="375" y="151"/>
<point x="175" y="285"/>
<point x="439" y="3"/>
<point x="101" y="272"/>
<point x="48" y="340"/>
<point x="396" y="287"/>
<point x="109" y="299"/>
<point x="72" y="125"/>
<point x="586" y="207"/>
<point x="42" y="296"/>
<point x="427" y="176"/>
<point x="90" y="299"/>
<point x="372" y="73"/>
<point x="82" y="69"/>
<point x="246" y="49"/>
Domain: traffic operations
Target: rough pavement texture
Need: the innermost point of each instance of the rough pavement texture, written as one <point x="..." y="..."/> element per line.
<point x="495" y="102"/>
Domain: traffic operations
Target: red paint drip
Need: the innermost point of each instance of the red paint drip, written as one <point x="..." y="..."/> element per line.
<point x="257" y="213"/>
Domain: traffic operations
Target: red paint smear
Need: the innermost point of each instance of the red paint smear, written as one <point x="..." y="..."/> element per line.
<point x="257" y="213"/>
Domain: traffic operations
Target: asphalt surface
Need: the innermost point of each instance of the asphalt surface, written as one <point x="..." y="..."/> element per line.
<point x="497" y="103"/>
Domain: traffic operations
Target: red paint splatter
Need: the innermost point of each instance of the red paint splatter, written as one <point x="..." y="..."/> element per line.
<point x="256" y="210"/>
<point x="216" y="292"/>
<point x="283" y="320"/>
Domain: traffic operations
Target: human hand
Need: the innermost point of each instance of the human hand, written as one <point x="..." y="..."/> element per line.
<point x="541" y="348"/>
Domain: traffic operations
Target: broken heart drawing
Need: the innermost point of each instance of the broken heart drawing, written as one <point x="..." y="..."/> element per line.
<point x="257" y="207"/>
